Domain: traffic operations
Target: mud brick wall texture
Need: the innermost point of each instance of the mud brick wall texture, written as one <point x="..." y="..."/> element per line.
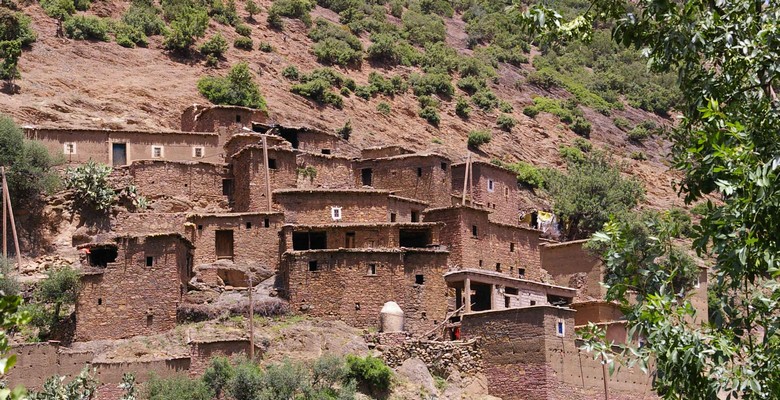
<point x="146" y="223"/>
<point x="310" y="207"/>
<point x="198" y="182"/>
<point x="255" y="237"/>
<point x="368" y="236"/>
<point x="572" y="266"/>
<point x="238" y="141"/>
<point x="421" y="177"/>
<point x="315" y="142"/>
<point x="503" y="200"/>
<point x="209" y="118"/>
<point x="130" y="298"/>
<point x="342" y="287"/>
<point x="249" y="176"/>
<point x="330" y="171"/>
<point x="440" y="357"/>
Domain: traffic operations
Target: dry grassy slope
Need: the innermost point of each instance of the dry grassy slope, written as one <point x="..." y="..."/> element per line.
<point x="72" y="83"/>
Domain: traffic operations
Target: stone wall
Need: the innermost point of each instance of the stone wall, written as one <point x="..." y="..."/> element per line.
<point x="386" y="235"/>
<point x="202" y="352"/>
<point x="424" y="177"/>
<point x="255" y="237"/>
<point x="145" y="223"/>
<point x="238" y="141"/>
<point x="572" y="266"/>
<point x="197" y="118"/>
<point x="331" y="171"/>
<point x="198" y="183"/>
<point x="249" y="172"/>
<point x="129" y="298"/>
<point x="313" y="206"/>
<point x="404" y="209"/>
<point x="439" y="357"/>
<point x="502" y="197"/>
<point x="341" y="286"/>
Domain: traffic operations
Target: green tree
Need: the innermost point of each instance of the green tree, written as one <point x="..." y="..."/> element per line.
<point x="29" y="166"/>
<point x="238" y="88"/>
<point x="252" y="8"/>
<point x="727" y="59"/>
<point x="11" y="318"/>
<point x="185" y="29"/>
<point x="590" y="192"/>
<point x="60" y="287"/>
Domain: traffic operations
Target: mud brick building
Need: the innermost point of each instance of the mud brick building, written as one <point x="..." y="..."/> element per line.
<point x="310" y="140"/>
<point x="324" y="206"/>
<point x="476" y="242"/>
<point x="323" y="171"/>
<point x="133" y="286"/>
<point x="198" y="118"/>
<point x="238" y="141"/>
<point x="353" y="284"/>
<point x="349" y="236"/>
<point x="492" y="186"/>
<point x="249" y="175"/>
<point x="243" y="238"/>
<point x="425" y="177"/>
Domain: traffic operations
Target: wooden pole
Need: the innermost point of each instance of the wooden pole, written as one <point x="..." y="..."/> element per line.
<point x="267" y="173"/>
<point x="5" y="219"/>
<point x="13" y="223"/>
<point x="251" y="321"/>
<point x="465" y="180"/>
<point x="604" y="373"/>
<point x="471" y="181"/>
<point x="467" y="290"/>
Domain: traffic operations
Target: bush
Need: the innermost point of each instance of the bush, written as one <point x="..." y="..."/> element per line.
<point x="91" y="186"/>
<point x="318" y="90"/>
<point x="244" y="43"/>
<point x="638" y="155"/>
<point x="129" y="36"/>
<point x="434" y="83"/>
<point x="531" y="111"/>
<point x="583" y="144"/>
<point x="505" y="107"/>
<point x="59" y="9"/>
<point x="9" y="285"/>
<point x="462" y="108"/>
<point x="370" y="371"/>
<point x="572" y="154"/>
<point x="216" y="46"/>
<point x="345" y="131"/>
<point x="144" y="16"/>
<point x="185" y="29"/>
<point x="544" y="78"/>
<point x="478" y="138"/>
<point x="298" y="9"/>
<point x="252" y="8"/>
<point x="32" y="173"/>
<point x="226" y="14"/>
<point x="397" y="8"/>
<point x="622" y="123"/>
<point x="389" y="48"/>
<point x="177" y="387"/>
<point x="238" y="88"/>
<point x="291" y="72"/>
<point x="84" y="27"/>
<point x="485" y="99"/>
<point x="430" y="114"/>
<point x="335" y="45"/>
<point x="383" y="108"/>
<point x="506" y="122"/>
<point x="441" y="58"/>
<point x="471" y="84"/>
<point x="266" y="47"/>
<point x="16" y="26"/>
<point x="421" y="29"/>
<point x="61" y="286"/>
<point x="244" y="30"/>
<point x="218" y="375"/>
<point x="526" y="173"/>
<point x="581" y="126"/>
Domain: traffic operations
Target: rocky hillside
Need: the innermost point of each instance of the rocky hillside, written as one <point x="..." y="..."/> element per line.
<point x="100" y="84"/>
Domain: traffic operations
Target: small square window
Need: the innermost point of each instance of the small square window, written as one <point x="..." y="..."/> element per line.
<point x="238" y="119"/>
<point x="200" y="227"/>
<point x="248" y="225"/>
<point x="444" y="166"/>
<point x="313" y="266"/>
<point x="533" y="302"/>
<point x="491" y="185"/>
<point x="419" y="172"/>
<point x="560" y="328"/>
<point x="335" y="213"/>
<point x="371" y="269"/>
<point x="498" y="267"/>
<point x="415" y="216"/>
<point x="419" y="279"/>
<point x="325" y="151"/>
<point x="157" y="152"/>
<point x="149" y="261"/>
<point x="511" y="247"/>
<point x="474" y="230"/>
<point x="521" y="272"/>
<point x="267" y="223"/>
<point x="392" y="217"/>
<point x="100" y="301"/>
<point x="69" y="148"/>
<point x="480" y="263"/>
<point x="197" y="152"/>
<point x="271" y="163"/>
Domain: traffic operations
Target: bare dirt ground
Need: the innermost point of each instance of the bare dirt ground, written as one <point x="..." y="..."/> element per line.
<point x="69" y="83"/>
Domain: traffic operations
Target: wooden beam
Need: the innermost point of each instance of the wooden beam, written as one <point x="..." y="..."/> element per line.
<point x="11" y="216"/>
<point x="267" y="173"/>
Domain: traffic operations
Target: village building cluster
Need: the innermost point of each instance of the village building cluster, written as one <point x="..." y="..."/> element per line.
<point x="345" y="231"/>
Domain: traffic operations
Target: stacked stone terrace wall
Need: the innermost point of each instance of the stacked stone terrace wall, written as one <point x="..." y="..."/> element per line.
<point x="439" y="357"/>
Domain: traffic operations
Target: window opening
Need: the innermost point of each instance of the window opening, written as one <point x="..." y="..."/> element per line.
<point x="335" y="213"/>
<point x="521" y="272"/>
<point x="419" y="279"/>
<point x="227" y="187"/>
<point x="200" y="227"/>
<point x="325" y="151"/>
<point x="267" y="223"/>
<point x="238" y="118"/>
<point x="474" y="230"/>
<point x="444" y="166"/>
<point x="309" y="240"/>
<point x="149" y="261"/>
<point x="271" y="163"/>
<point x="498" y="267"/>
<point x="414" y="237"/>
<point x="560" y="328"/>
<point x="533" y="302"/>
<point x="371" y="269"/>
<point x="506" y="302"/>
<point x="100" y="301"/>
<point x="100" y="257"/>
<point x="349" y="242"/>
<point x="197" y="152"/>
<point x="248" y="225"/>
<point x="313" y="266"/>
<point x="415" y="216"/>
<point x="366" y="176"/>
<point x="69" y="148"/>
<point x="157" y="151"/>
<point x="392" y="217"/>
<point x="419" y="172"/>
<point x="511" y="247"/>
<point x="491" y="185"/>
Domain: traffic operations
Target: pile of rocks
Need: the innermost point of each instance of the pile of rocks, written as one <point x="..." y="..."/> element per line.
<point x="439" y="357"/>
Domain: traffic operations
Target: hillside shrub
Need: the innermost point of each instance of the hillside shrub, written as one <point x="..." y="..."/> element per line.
<point x="244" y="30"/>
<point x="462" y="108"/>
<point x="421" y="29"/>
<point x="238" y="88"/>
<point x="638" y="155"/>
<point x="224" y="13"/>
<point x="471" y="84"/>
<point x="622" y="124"/>
<point x="638" y="134"/>
<point x="433" y="83"/>
<point x="86" y="27"/>
<point x="397" y="8"/>
<point x="16" y="26"/>
<point x="252" y="9"/>
<point x="129" y="36"/>
<point x="544" y="78"/>
<point x="58" y="9"/>
<point x="505" y="106"/>
<point x="505" y="122"/>
<point x="583" y="144"/>
<point x="244" y="43"/>
<point x="473" y="66"/>
<point x="216" y="46"/>
<point x="318" y="90"/>
<point x="334" y="45"/>
<point x="185" y="30"/>
<point x="569" y="153"/>
<point x="246" y="382"/>
<point x="485" y="99"/>
<point x="383" y="108"/>
<point x="581" y="126"/>
<point x="391" y="49"/>
<point x="176" y="387"/>
<point x="266" y="47"/>
<point x="526" y="173"/>
<point x="477" y="138"/>
<point x="439" y="7"/>
<point x="9" y="285"/>
<point x="143" y="15"/>
<point x="291" y="72"/>
<point x="345" y="131"/>
<point x="369" y="371"/>
<point x="60" y="287"/>
<point x="440" y="57"/>
<point x="298" y="9"/>
<point x="430" y="114"/>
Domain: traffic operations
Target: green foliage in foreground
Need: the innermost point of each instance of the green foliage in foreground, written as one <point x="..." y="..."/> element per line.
<point x="238" y="88"/>
<point x="90" y="186"/>
<point x="32" y="173"/>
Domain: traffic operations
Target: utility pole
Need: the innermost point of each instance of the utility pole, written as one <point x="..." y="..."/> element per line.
<point x="465" y="179"/>
<point x="10" y="210"/>
<point x="5" y="218"/>
<point x="251" y="319"/>
<point x="267" y="173"/>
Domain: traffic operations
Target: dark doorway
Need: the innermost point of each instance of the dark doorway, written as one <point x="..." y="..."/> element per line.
<point x="366" y="175"/>
<point x="119" y="154"/>
<point x="290" y="135"/>
<point x="224" y="244"/>
<point x="481" y="298"/>
<point x="414" y="238"/>
<point x="310" y="240"/>
<point x="349" y="243"/>
<point x="101" y="256"/>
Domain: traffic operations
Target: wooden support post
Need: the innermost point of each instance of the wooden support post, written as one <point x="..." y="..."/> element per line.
<point x="467" y="290"/>
<point x="606" y="377"/>
<point x="465" y="179"/>
<point x="251" y="321"/>
<point x="471" y="181"/>
<point x="267" y="173"/>
<point x="5" y="219"/>
<point x="11" y="215"/>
